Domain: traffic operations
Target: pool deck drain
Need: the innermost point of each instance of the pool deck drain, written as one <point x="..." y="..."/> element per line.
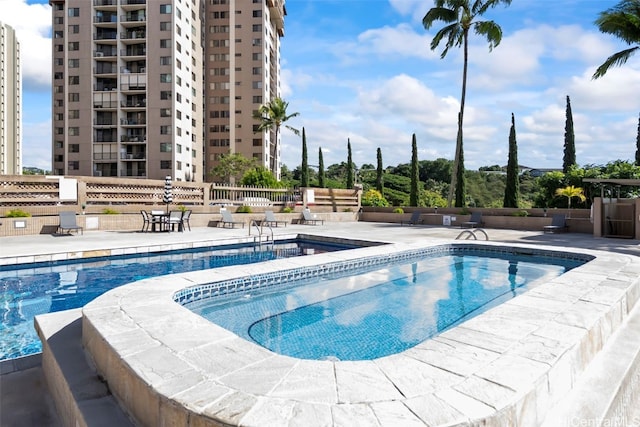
<point x="382" y="232"/>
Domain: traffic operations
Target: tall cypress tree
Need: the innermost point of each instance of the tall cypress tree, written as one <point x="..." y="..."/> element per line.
<point x="415" y="177"/>
<point x="304" y="173"/>
<point x="321" y="183"/>
<point x="512" y="189"/>
<point x="638" y="144"/>
<point x="379" y="183"/>
<point x="569" y="158"/>
<point x="349" y="166"/>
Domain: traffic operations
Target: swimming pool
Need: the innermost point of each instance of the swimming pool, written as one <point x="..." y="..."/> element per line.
<point x="27" y="290"/>
<point x="505" y="366"/>
<point x="381" y="310"/>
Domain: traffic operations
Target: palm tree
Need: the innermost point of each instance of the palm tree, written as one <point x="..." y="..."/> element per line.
<point x="623" y="21"/>
<point x="272" y="116"/>
<point x="460" y="16"/>
<point x="570" y="192"/>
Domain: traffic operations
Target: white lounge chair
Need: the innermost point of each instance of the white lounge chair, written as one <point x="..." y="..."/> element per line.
<point x="227" y="219"/>
<point x="309" y="218"/>
<point x="68" y="222"/>
<point x="270" y="220"/>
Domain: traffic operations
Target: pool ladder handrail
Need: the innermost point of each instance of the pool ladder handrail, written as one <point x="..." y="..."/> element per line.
<point x="471" y="233"/>
<point x="260" y="228"/>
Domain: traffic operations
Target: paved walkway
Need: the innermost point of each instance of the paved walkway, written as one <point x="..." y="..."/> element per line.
<point x="24" y="399"/>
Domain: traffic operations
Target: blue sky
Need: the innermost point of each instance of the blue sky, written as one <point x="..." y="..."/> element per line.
<point x="362" y="70"/>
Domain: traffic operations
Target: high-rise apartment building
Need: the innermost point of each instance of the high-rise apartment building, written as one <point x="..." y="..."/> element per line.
<point x="150" y="88"/>
<point x="10" y="103"/>
<point x="242" y="71"/>
<point x="127" y="88"/>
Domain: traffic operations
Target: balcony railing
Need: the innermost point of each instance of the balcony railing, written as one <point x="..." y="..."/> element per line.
<point x="106" y="18"/>
<point x="132" y="156"/>
<point x="133" y="17"/>
<point x="133" y="138"/>
<point x="105" y="104"/>
<point x="105" y="36"/>
<point x="128" y="35"/>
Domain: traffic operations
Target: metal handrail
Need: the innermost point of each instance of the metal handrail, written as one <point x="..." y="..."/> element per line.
<point x="472" y="234"/>
<point x="260" y="228"/>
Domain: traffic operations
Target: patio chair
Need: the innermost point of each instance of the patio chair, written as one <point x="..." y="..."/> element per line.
<point x="415" y="219"/>
<point x="186" y="215"/>
<point x="474" y="221"/>
<point x="174" y="218"/>
<point x="227" y="219"/>
<point x="68" y="222"/>
<point x="558" y="223"/>
<point x="146" y="220"/>
<point x="309" y="218"/>
<point x="270" y="220"/>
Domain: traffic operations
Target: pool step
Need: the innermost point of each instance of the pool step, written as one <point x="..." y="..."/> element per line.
<point x="607" y="393"/>
<point x="81" y="398"/>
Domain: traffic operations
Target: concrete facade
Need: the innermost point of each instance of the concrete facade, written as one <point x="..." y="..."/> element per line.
<point x="147" y="89"/>
<point x="10" y="103"/>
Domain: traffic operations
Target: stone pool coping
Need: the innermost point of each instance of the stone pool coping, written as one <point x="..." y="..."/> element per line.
<point x="507" y="366"/>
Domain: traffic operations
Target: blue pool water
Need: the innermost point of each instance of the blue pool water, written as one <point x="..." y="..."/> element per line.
<point x="382" y="311"/>
<point x="30" y="289"/>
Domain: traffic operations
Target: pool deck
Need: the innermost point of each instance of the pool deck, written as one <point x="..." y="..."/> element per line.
<point x="24" y="398"/>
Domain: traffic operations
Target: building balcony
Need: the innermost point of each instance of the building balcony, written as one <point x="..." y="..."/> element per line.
<point x="133" y="138"/>
<point x="105" y="2"/>
<point x="105" y="104"/>
<point x="105" y="36"/>
<point x="134" y="103"/>
<point x="132" y="156"/>
<point x="129" y="35"/>
<point x="133" y="122"/>
<point x="133" y="17"/>
<point x="101" y="19"/>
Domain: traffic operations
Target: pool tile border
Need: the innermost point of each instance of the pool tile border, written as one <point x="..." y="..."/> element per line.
<point x="139" y="342"/>
<point x="283" y="278"/>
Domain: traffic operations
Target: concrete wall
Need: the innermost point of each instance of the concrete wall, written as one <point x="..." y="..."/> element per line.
<point x="579" y="221"/>
<point x="133" y="221"/>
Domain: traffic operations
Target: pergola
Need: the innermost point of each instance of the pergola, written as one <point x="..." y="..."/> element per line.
<point x="615" y="217"/>
<point x="613" y="183"/>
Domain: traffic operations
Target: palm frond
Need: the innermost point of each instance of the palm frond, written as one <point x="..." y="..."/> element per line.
<point x="452" y="33"/>
<point x="622" y="21"/>
<point x="292" y="129"/>
<point x="615" y="60"/>
<point x="438" y="14"/>
<point x="491" y="31"/>
<point x="480" y="6"/>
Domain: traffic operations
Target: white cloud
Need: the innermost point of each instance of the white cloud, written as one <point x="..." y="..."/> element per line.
<point x="401" y="40"/>
<point x="32" y="23"/>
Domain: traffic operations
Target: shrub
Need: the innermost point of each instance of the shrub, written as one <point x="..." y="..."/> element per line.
<point x="244" y="209"/>
<point x="398" y="210"/>
<point x="109" y="211"/>
<point x="374" y="198"/>
<point x="17" y="213"/>
<point x="182" y="207"/>
<point x="287" y="209"/>
<point x="522" y="213"/>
